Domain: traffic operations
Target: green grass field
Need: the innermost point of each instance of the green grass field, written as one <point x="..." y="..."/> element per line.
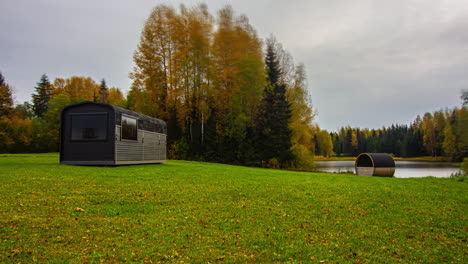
<point x="192" y="212"/>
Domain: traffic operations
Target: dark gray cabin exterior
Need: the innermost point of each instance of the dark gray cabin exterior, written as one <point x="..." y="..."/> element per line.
<point x="103" y="134"/>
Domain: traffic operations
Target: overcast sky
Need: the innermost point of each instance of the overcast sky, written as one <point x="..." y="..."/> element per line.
<point x="369" y="63"/>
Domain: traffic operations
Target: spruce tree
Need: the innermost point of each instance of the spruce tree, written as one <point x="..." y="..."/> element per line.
<point x="42" y="96"/>
<point x="464" y="97"/>
<point x="275" y="114"/>
<point x="6" y="100"/>
<point x="103" y="92"/>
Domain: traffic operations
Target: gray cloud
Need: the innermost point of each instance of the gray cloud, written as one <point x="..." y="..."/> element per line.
<point x="387" y="65"/>
<point x="369" y="63"/>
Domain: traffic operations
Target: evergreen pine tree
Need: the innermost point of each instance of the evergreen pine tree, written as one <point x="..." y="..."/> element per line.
<point x="103" y="92"/>
<point x="6" y="100"/>
<point x="275" y="114"/>
<point x="464" y="97"/>
<point x="42" y="97"/>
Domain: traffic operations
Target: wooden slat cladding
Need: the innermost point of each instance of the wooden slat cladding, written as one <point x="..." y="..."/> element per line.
<point x="162" y="146"/>
<point x="365" y="171"/>
<point x="150" y="146"/>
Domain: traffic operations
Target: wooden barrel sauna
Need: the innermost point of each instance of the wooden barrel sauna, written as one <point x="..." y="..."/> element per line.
<point x="375" y="164"/>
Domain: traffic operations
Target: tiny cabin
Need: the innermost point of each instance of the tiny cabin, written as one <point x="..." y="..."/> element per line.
<point x="103" y="134"/>
<point x="375" y="164"/>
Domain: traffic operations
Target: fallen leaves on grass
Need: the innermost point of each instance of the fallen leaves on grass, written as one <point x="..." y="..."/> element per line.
<point x="78" y="209"/>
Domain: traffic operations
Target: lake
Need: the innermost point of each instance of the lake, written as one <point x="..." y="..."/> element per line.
<point x="404" y="169"/>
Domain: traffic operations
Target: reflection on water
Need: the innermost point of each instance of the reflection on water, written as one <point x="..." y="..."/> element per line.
<point x="404" y="169"/>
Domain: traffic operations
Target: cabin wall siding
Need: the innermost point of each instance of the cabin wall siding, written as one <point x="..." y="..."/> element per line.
<point x="87" y="151"/>
<point x="150" y="146"/>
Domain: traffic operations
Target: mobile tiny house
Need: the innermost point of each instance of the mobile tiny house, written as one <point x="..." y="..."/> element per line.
<point x="102" y="134"/>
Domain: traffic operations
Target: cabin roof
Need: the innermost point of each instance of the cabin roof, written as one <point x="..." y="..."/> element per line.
<point x="145" y="122"/>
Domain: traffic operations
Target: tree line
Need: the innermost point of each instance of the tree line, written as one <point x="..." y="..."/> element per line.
<point x="34" y="126"/>
<point x="441" y="133"/>
<point x="224" y="97"/>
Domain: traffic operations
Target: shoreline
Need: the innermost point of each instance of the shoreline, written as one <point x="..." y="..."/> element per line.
<point x="418" y="159"/>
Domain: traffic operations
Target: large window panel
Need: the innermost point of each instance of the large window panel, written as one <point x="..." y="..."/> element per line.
<point x="129" y="128"/>
<point x="89" y="127"/>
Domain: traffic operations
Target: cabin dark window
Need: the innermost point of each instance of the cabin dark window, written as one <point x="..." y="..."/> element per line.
<point x="89" y="127"/>
<point x="129" y="128"/>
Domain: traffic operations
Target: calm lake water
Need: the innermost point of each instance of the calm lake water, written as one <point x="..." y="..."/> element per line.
<point x="404" y="169"/>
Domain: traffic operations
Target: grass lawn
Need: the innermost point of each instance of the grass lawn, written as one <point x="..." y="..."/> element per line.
<point x="192" y="212"/>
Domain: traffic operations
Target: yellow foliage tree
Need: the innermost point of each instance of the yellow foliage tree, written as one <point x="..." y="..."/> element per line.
<point x="238" y="73"/>
<point x="77" y="88"/>
<point x="301" y="120"/>
<point x="16" y="133"/>
<point x="116" y="97"/>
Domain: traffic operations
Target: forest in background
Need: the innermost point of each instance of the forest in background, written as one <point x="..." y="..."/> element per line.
<point x="442" y="133"/>
<point x="226" y="96"/>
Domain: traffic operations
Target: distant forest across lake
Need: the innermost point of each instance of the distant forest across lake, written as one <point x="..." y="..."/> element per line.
<point x="441" y="133"/>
